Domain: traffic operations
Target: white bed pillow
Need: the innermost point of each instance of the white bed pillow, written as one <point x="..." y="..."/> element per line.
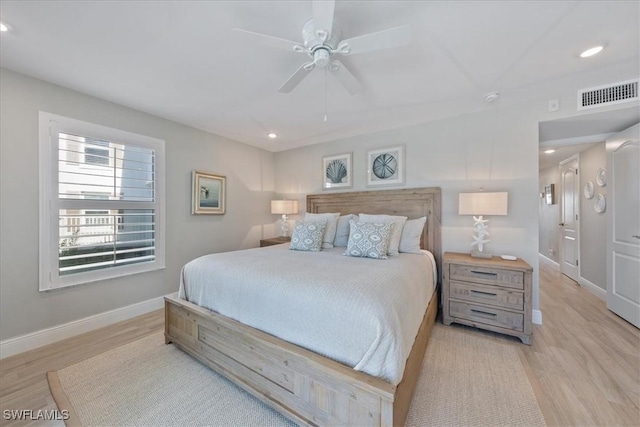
<point x="396" y="231"/>
<point x="330" y="230"/>
<point x="307" y="236"/>
<point x="411" y="235"/>
<point x="342" y="230"/>
<point x="369" y="239"/>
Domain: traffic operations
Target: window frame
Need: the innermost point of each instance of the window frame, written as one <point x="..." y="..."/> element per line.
<point x="50" y="126"/>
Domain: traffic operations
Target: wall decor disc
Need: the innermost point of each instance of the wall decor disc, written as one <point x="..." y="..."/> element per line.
<point x="601" y="177"/>
<point x="589" y="190"/>
<point x="600" y="204"/>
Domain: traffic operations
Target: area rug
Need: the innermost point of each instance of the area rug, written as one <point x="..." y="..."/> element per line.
<point x="467" y="380"/>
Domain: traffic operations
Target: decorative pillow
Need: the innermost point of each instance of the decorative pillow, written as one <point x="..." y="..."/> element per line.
<point x="307" y="236"/>
<point x="369" y="239"/>
<point x="411" y="235"/>
<point x="396" y="231"/>
<point x="330" y="230"/>
<point x="342" y="231"/>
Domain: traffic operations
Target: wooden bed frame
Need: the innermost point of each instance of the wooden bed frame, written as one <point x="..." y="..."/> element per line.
<point x="302" y="385"/>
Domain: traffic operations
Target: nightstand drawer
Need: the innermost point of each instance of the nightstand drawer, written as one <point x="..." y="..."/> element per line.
<point x="487" y="315"/>
<point x="487" y="275"/>
<point x="487" y="295"/>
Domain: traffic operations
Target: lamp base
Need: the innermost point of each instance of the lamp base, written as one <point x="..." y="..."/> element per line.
<point x="477" y="254"/>
<point x="285" y="227"/>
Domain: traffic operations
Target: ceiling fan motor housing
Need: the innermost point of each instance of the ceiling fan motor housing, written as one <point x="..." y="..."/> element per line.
<point x="321" y="57"/>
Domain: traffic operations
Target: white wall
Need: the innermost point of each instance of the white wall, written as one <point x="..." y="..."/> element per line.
<point x="494" y="149"/>
<point x="250" y="185"/>
<point x="593" y="225"/>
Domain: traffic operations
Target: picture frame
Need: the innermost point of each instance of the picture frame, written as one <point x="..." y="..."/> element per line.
<point x="337" y="171"/>
<point x="385" y="166"/>
<point x="208" y="193"/>
<point x="549" y="194"/>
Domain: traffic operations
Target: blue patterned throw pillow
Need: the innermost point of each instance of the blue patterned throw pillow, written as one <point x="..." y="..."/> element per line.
<point x="307" y="236"/>
<point x="368" y="239"/>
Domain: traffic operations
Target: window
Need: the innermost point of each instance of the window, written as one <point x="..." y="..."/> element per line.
<point x="101" y="202"/>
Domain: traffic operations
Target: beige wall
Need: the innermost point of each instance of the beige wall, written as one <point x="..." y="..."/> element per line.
<point x="250" y="185"/>
<point x="549" y="215"/>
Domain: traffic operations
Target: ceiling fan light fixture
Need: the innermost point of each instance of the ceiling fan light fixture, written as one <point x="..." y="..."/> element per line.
<point x="272" y="135"/>
<point x="591" y="51"/>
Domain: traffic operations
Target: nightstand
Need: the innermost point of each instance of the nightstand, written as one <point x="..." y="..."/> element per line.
<point x="492" y="294"/>
<point x="274" y="241"/>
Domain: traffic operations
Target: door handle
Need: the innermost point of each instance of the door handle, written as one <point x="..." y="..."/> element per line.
<point x="561" y="224"/>
<point x="637" y="237"/>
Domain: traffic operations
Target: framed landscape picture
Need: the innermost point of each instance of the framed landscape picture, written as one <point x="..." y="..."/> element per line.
<point x="385" y="166"/>
<point x="336" y="171"/>
<point x="208" y="193"/>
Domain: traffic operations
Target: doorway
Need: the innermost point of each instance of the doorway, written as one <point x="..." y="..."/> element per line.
<point x="570" y="218"/>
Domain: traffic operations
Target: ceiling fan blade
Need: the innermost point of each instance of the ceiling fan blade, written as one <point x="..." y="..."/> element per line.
<point x="267" y="40"/>
<point x="323" y="16"/>
<point x="384" y="39"/>
<point x="345" y="77"/>
<point x="297" y="77"/>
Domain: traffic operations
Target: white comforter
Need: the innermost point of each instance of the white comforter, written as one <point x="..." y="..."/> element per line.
<point x="361" y="312"/>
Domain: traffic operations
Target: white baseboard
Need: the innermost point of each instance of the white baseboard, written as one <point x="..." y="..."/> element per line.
<point x="536" y="317"/>
<point x="549" y="261"/>
<point x="33" y="340"/>
<point x="593" y="288"/>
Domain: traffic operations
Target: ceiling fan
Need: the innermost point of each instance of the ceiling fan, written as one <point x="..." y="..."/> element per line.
<point x="322" y="43"/>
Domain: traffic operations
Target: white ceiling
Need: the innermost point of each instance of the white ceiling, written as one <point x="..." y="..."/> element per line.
<point x="181" y="61"/>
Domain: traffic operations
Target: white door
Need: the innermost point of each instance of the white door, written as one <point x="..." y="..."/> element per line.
<point x="623" y="248"/>
<point x="569" y="225"/>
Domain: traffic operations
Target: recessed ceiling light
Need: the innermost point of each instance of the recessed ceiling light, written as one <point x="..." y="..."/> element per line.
<point x="549" y="151"/>
<point x="272" y="135"/>
<point x="3" y="27"/>
<point x="590" y="52"/>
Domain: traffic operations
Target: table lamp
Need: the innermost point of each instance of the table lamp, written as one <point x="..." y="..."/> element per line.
<point x="284" y="208"/>
<point x="479" y="204"/>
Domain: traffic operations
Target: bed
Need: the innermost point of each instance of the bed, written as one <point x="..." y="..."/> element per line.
<point x="313" y="387"/>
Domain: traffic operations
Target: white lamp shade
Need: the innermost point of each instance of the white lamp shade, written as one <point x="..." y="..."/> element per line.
<point x="483" y="203"/>
<point x="286" y="207"/>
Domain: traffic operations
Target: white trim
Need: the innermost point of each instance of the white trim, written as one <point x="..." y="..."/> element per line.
<point x="593" y="288"/>
<point x="546" y="260"/>
<point x="33" y="340"/>
<point x="536" y="317"/>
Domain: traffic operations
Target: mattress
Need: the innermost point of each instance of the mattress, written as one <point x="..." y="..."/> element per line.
<point x="361" y="312"/>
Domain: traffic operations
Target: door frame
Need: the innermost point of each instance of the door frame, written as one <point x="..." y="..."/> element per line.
<point x="578" y="221"/>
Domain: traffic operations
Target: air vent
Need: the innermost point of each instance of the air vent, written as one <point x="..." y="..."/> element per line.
<point x="615" y="93"/>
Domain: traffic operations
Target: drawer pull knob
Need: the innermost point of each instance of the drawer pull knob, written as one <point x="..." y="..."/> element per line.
<point x="483" y="293"/>
<point x="483" y="313"/>
<point x="484" y="273"/>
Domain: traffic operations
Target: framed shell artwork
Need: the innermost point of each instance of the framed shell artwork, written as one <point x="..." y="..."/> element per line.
<point x="336" y="171"/>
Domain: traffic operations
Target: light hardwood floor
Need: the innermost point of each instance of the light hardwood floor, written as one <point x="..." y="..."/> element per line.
<point x="584" y="363"/>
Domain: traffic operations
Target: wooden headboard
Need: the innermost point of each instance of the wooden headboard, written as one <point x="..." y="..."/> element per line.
<point x="412" y="203"/>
